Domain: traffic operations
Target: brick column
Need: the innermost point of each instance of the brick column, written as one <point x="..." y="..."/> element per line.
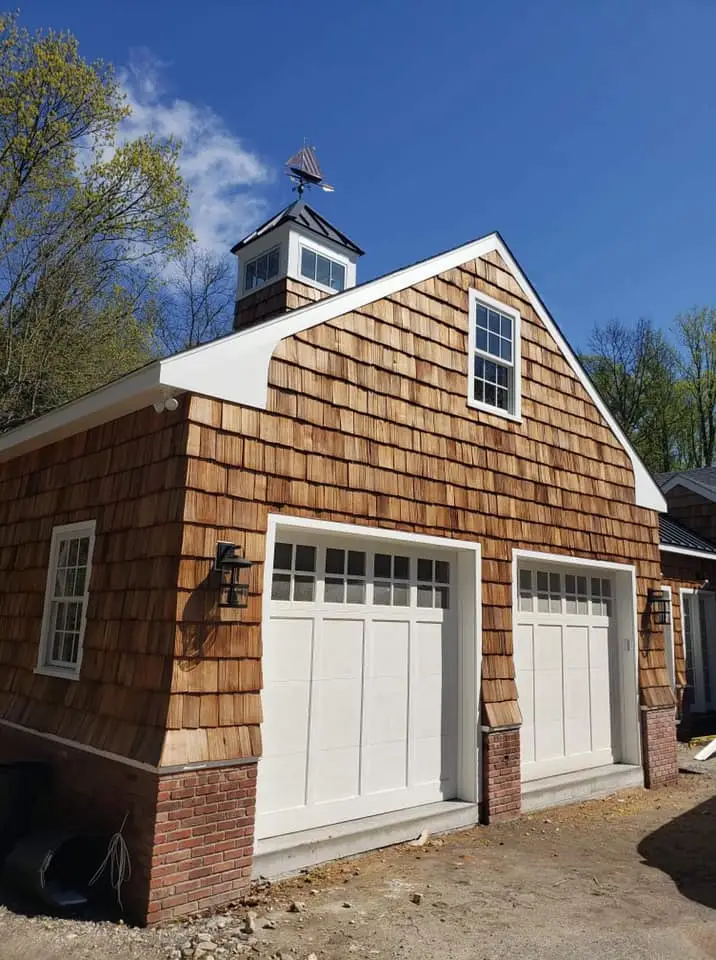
<point x="203" y="840"/>
<point x="658" y="737"/>
<point x="501" y="781"/>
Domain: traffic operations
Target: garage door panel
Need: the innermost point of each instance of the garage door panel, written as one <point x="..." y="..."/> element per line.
<point x="336" y="713"/>
<point x="562" y="660"/>
<point x="288" y="656"/>
<point x="363" y="718"/>
<point x="334" y="774"/>
<point x="282" y="784"/>
<point x="384" y="766"/>
<point x="339" y="650"/>
<point x="286" y="711"/>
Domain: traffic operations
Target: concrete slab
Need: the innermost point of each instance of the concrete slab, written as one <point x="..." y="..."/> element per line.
<point x="583" y="785"/>
<point x="282" y="856"/>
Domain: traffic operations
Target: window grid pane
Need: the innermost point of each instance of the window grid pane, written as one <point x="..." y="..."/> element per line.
<point x="262" y="269"/>
<point x="294" y="573"/>
<point x="69" y="579"/>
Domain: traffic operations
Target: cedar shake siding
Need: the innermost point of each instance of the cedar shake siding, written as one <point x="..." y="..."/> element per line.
<point x="128" y="476"/>
<point x="367" y="423"/>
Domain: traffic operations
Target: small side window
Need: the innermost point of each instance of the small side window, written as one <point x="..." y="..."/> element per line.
<point x="66" y="594"/>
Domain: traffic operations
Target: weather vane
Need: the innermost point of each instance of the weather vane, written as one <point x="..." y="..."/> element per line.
<point x="303" y="170"/>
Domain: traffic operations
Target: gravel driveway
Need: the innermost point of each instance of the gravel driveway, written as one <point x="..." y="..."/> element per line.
<point x="632" y="876"/>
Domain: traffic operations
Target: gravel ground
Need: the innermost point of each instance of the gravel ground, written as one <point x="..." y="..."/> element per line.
<point x="631" y="876"/>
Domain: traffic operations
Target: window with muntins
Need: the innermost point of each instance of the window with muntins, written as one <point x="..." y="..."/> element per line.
<point x="66" y="594"/>
<point x="329" y="273"/>
<point x="494" y="356"/>
<point x="262" y="269"/>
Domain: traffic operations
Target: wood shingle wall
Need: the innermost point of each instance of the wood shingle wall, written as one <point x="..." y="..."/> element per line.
<point x="128" y="476"/>
<point x="367" y="423"/>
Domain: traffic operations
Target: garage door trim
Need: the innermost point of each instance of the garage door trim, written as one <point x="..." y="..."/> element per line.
<point x="628" y="745"/>
<point x="468" y="615"/>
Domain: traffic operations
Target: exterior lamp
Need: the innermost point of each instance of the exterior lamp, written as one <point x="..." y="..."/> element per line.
<point x="234" y="572"/>
<point x="658" y="606"/>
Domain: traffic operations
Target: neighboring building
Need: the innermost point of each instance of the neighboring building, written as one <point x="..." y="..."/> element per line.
<point x="689" y="570"/>
<point x="453" y="546"/>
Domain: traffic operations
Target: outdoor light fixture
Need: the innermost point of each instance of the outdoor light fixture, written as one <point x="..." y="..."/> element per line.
<point x="659" y="606"/>
<point x="234" y="589"/>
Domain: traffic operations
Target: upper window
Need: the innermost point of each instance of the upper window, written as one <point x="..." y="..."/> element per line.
<point x="327" y="272"/>
<point x="64" y="617"/>
<point x="494" y="361"/>
<point x="262" y="269"/>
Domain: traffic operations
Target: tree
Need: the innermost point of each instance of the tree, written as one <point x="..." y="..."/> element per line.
<point x="634" y="370"/>
<point x="86" y="222"/>
<point x="198" y="301"/>
<point x="697" y="332"/>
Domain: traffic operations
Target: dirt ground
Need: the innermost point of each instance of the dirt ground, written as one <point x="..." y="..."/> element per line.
<point x="631" y="876"/>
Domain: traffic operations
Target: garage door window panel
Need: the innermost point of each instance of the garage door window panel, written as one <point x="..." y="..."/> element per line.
<point x="294" y="573"/>
<point x="433" y="584"/>
<point x="391" y="580"/>
<point x="345" y="580"/>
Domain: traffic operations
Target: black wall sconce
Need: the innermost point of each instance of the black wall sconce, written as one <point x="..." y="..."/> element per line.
<point x="234" y="572"/>
<point x="659" y="606"/>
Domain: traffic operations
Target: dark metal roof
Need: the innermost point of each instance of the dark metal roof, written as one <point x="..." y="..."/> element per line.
<point x="673" y="534"/>
<point x="299" y="212"/>
<point x="706" y="476"/>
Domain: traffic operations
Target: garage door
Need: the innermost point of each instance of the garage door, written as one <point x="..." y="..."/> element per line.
<point x="564" y="626"/>
<point x="360" y="683"/>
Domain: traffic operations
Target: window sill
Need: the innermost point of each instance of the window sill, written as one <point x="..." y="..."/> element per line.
<point x="495" y="411"/>
<point x="58" y="672"/>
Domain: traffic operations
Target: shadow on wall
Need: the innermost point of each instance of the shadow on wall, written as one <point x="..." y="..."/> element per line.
<point x="198" y="623"/>
<point x="685" y="849"/>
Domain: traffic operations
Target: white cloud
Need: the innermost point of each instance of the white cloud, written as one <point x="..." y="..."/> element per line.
<point x="224" y="177"/>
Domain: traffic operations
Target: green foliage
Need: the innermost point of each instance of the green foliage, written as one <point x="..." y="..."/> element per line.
<point x="662" y="393"/>
<point x="86" y="224"/>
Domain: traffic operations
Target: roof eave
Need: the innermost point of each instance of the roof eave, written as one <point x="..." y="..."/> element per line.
<point x="127" y="395"/>
<point x="686" y="552"/>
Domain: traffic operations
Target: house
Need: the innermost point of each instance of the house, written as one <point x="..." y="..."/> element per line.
<point x="689" y="576"/>
<point x="452" y="549"/>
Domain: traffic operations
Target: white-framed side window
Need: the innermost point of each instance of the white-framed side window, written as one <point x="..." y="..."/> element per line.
<point x="65" y="612"/>
<point x="494" y="380"/>
<point x="322" y="270"/>
<point x="261" y="269"/>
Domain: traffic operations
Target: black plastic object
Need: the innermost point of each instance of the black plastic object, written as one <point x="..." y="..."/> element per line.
<point x="21" y="784"/>
<point x="56" y="866"/>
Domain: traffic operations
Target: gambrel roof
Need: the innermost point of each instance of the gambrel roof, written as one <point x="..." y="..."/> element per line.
<point x="235" y="368"/>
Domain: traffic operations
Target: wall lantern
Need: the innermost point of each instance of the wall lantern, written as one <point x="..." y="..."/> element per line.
<point x="659" y="606"/>
<point x="234" y="571"/>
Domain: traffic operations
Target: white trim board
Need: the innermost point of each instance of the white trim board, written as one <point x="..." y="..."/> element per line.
<point x="684" y="551"/>
<point x="627" y="644"/>
<point x="236" y="367"/>
<point x="469" y="625"/>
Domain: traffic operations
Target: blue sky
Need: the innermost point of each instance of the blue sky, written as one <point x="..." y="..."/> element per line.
<point x="583" y="130"/>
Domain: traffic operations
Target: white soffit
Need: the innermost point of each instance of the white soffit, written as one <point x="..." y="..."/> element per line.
<point x="236" y="367"/>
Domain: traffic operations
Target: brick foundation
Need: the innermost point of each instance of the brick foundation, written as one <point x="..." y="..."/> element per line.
<point x="501" y="780"/>
<point x="189" y="834"/>
<point x="658" y="732"/>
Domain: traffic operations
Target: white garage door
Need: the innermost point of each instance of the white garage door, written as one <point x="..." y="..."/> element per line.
<point x="564" y="625"/>
<point x="360" y="683"/>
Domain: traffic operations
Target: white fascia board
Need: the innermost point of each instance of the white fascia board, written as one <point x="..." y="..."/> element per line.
<point x="131" y="393"/>
<point x="237" y="367"/>
<point x="685" y="552"/>
<point x="690" y="484"/>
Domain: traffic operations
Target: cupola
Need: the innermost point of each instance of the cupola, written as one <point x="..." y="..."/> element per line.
<point x="294" y="258"/>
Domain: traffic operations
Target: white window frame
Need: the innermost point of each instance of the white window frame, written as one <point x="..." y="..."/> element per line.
<point x="259" y="256"/>
<point x="321" y="253"/>
<point x="68" y="531"/>
<point x="515" y="412"/>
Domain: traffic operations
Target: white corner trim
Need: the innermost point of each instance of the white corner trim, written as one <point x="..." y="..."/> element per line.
<point x="690" y="484"/>
<point x="684" y="551"/>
